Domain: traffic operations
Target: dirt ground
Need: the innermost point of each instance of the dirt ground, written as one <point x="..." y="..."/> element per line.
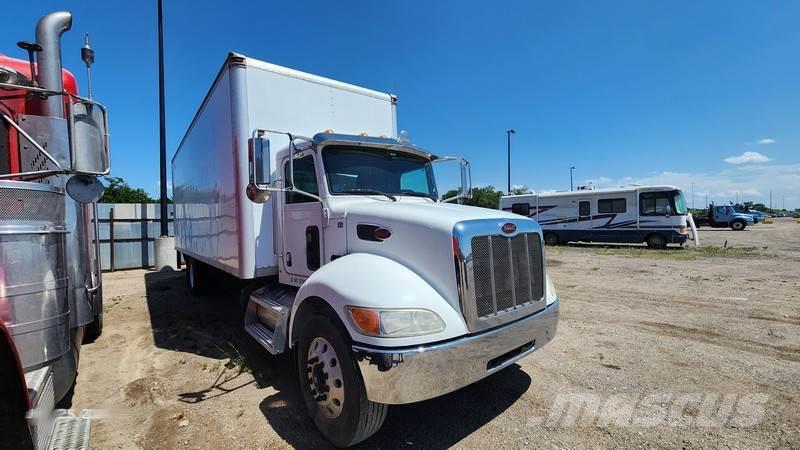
<point x="652" y="327"/>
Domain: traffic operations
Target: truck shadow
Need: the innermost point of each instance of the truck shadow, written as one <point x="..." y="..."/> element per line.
<point x="438" y="423"/>
<point x="210" y="326"/>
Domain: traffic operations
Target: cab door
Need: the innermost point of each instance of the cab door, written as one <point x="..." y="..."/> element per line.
<point x="301" y="222"/>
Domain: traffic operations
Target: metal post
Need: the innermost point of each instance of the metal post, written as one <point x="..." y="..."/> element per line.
<point x="162" y="123"/>
<point x="111" y="236"/>
<point x="570" y="177"/>
<point x="509" y="132"/>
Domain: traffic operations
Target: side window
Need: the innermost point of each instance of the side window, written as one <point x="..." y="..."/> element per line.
<point x="611" y="205"/>
<point x="584" y="209"/>
<point x="654" y="204"/>
<point x="523" y="209"/>
<point x="305" y="178"/>
<point x="414" y="181"/>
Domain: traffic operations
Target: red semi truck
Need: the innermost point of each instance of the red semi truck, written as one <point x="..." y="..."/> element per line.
<point x="53" y="148"/>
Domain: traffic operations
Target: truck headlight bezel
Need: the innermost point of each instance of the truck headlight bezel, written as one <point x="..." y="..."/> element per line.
<point x="394" y="322"/>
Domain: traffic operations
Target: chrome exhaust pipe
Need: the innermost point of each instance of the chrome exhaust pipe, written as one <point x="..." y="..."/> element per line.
<point x="48" y="35"/>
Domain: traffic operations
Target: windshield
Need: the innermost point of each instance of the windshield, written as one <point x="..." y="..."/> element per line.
<point x="376" y="171"/>
<point x="680" y="202"/>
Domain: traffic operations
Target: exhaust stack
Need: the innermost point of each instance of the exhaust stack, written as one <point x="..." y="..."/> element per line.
<point x="48" y="35"/>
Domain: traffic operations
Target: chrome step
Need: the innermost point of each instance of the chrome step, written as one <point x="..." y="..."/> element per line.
<point x="267" y="316"/>
<point x="71" y="432"/>
<point x="40" y="417"/>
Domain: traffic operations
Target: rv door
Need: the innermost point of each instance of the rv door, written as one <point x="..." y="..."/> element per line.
<point x="584" y="223"/>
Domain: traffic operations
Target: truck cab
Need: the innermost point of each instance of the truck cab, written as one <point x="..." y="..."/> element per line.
<point x="727" y="216"/>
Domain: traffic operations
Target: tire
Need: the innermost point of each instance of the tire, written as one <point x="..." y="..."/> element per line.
<point x="331" y="384"/>
<point x="196" y="277"/>
<point x="738" y="225"/>
<point x="656" y="241"/>
<point x="551" y="239"/>
<point x="94" y="329"/>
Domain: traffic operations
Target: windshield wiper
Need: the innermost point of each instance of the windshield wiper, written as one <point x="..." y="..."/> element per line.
<point x="369" y="191"/>
<point x="415" y="194"/>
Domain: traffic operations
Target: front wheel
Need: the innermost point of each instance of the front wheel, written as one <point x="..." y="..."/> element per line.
<point x="331" y="384"/>
<point x="656" y="241"/>
<point x="196" y="277"/>
<point x="551" y="239"/>
<point x="738" y="225"/>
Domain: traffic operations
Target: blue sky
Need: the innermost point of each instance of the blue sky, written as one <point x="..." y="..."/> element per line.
<point x="626" y="91"/>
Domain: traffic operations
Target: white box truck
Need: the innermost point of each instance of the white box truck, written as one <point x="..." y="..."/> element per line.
<point x="385" y="292"/>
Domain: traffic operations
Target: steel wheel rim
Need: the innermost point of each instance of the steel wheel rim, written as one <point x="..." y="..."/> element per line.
<point x="324" y="376"/>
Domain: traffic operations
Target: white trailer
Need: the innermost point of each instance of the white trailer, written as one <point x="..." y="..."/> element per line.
<point x="655" y="215"/>
<point x="386" y="293"/>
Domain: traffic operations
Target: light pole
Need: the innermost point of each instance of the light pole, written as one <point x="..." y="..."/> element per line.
<point x="570" y="177"/>
<point x="162" y="126"/>
<point x="509" y="132"/>
<point x="692" y="194"/>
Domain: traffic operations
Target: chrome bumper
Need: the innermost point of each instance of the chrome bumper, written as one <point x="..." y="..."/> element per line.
<point x="407" y="375"/>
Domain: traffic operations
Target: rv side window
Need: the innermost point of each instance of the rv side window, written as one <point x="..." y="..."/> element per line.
<point x="654" y="204"/>
<point x="584" y="208"/>
<point x="611" y="205"/>
<point x="305" y="178"/>
<point x="523" y="209"/>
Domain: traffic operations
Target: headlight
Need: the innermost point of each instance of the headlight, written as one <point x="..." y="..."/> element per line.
<point x="552" y="295"/>
<point x="395" y="322"/>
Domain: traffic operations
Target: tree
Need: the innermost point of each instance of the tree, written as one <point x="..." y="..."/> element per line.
<point x="118" y="191"/>
<point x="485" y="197"/>
<point x="520" y="189"/>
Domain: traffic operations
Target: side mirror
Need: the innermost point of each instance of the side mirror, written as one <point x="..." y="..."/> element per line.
<point x="260" y="161"/>
<point x="465" y="175"/>
<point x="89" y="139"/>
<point x="258" y="158"/>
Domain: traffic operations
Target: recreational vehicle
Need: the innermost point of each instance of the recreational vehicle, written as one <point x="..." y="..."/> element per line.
<point x="655" y="215"/>
<point x="384" y="293"/>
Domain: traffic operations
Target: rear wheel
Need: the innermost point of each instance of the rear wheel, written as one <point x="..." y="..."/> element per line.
<point x="551" y="239"/>
<point x="196" y="276"/>
<point x="331" y="384"/>
<point x="738" y="225"/>
<point x="656" y="241"/>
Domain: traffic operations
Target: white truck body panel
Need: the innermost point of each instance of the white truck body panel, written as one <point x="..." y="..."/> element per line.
<point x="215" y="222"/>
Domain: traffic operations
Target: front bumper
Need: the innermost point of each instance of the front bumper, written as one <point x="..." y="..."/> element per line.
<point x="407" y="375"/>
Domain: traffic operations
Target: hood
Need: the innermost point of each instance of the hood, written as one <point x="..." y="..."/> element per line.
<point x="421" y="236"/>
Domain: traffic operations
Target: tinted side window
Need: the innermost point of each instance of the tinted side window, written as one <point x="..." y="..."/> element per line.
<point x="655" y="204"/>
<point x="523" y="209"/>
<point x="584" y="209"/>
<point x="611" y="205"/>
<point x="305" y="178"/>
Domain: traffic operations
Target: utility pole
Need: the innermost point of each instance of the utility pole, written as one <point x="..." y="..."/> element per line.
<point x="162" y="123"/>
<point x="692" y="194"/>
<point x="509" y="132"/>
<point x="770" y="200"/>
<point x="570" y="177"/>
<point x="164" y="245"/>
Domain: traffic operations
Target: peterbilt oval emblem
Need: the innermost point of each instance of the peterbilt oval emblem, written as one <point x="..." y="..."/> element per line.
<point x="509" y="228"/>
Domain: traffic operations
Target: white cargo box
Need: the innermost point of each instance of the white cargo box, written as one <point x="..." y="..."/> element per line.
<point x="215" y="222"/>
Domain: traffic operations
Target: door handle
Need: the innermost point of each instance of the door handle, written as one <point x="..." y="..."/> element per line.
<point x="288" y="259"/>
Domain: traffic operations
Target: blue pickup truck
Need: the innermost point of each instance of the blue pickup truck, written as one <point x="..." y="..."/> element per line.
<point x="723" y="217"/>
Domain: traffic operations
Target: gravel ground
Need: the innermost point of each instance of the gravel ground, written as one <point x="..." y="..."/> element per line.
<point x="690" y="348"/>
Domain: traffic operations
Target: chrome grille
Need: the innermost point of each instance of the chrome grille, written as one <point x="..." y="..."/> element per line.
<point x="507" y="273"/>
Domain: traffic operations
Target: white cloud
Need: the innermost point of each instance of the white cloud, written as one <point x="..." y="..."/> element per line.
<point x="766" y="141"/>
<point x="747" y="158"/>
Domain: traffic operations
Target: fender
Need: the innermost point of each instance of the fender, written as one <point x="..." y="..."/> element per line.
<point x="362" y="279"/>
